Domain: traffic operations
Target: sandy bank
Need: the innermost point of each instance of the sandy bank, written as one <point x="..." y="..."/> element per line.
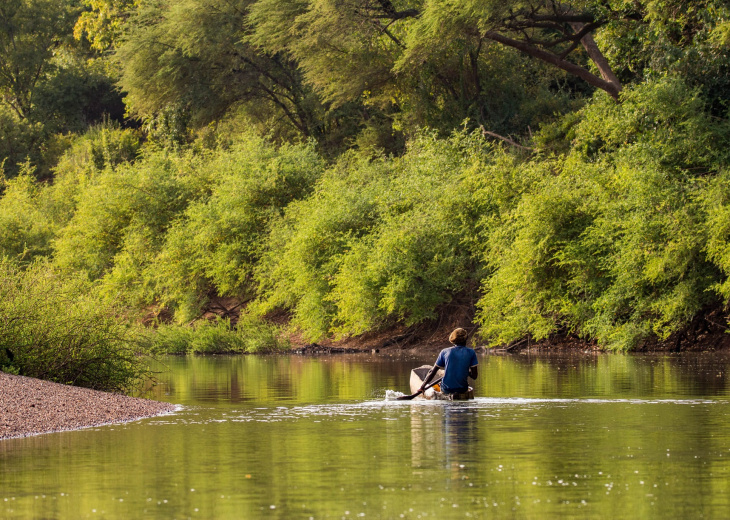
<point x="30" y="406"/>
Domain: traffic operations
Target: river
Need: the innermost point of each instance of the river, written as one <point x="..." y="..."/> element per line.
<point x="282" y="437"/>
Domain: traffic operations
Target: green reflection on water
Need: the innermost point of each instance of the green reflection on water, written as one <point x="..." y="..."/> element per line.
<point x="300" y="437"/>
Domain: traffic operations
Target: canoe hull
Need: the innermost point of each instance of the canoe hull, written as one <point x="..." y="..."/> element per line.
<point x="434" y="393"/>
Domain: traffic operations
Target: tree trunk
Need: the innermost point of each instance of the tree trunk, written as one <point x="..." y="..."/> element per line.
<point x="589" y="44"/>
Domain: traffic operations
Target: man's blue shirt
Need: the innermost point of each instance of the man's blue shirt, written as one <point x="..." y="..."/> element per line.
<point x="456" y="362"/>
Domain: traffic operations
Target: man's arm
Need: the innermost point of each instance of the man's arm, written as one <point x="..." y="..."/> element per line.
<point x="429" y="376"/>
<point x="473" y="372"/>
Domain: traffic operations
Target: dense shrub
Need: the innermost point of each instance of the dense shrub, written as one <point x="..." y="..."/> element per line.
<point x="386" y="239"/>
<point x="250" y="335"/>
<point x="422" y="251"/>
<point x="615" y="227"/>
<point x="218" y="239"/>
<point x="716" y="202"/>
<point x="32" y="213"/>
<point x="304" y="246"/>
<point x="612" y="245"/>
<point x="25" y="229"/>
<point x="120" y="207"/>
<point x="172" y="228"/>
<point x="55" y="327"/>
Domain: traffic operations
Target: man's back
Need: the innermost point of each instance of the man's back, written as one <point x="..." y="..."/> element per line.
<point x="456" y="362"/>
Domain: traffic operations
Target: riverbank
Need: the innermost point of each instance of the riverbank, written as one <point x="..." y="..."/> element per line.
<point x="702" y="335"/>
<point x="31" y="406"/>
<point x="707" y="332"/>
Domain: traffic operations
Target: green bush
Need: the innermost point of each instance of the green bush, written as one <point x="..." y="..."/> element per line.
<point x="611" y="244"/>
<point x="167" y="339"/>
<point x="32" y="213"/>
<point x="306" y="245"/>
<point x="260" y="335"/>
<point x="120" y="207"/>
<point x="716" y="202"/>
<point x="524" y="291"/>
<point x="26" y="230"/>
<point x="387" y="239"/>
<point x="419" y="253"/>
<point x="56" y="328"/>
<point x="218" y="240"/>
<point x="216" y="337"/>
<point x="172" y="228"/>
<point x="250" y="335"/>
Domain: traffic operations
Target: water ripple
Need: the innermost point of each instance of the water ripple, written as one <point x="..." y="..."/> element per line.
<point x="392" y="409"/>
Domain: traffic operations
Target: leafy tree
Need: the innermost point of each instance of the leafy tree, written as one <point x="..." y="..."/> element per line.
<point x="192" y="55"/>
<point x="30" y="31"/>
<point x="450" y="57"/>
<point x="102" y="23"/>
<point x="424" y="62"/>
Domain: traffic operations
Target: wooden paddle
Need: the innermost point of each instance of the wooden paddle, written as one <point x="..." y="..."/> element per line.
<point x="409" y="397"/>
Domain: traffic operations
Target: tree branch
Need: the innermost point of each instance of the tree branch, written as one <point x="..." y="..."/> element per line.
<point x="392" y="14"/>
<point x="611" y="88"/>
<point x="589" y="44"/>
<point x="506" y="140"/>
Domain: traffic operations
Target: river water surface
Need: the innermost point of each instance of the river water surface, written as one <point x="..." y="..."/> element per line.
<point x="283" y="437"/>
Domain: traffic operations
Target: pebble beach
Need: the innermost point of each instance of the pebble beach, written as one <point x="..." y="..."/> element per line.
<point x="31" y="406"/>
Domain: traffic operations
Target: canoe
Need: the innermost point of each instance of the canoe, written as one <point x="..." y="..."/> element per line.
<point x="419" y="374"/>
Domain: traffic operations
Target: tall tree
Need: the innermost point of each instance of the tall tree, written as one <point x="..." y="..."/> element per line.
<point x="544" y="29"/>
<point x="429" y="58"/>
<point x="30" y="32"/>
<point x="193" y="54"/>
<point x="102" y="23"/>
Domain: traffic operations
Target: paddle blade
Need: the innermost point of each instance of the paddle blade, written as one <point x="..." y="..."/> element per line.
<point x="408" y="397"/>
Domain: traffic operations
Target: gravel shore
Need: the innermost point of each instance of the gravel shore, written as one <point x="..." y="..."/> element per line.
<point x="31" y="406"/>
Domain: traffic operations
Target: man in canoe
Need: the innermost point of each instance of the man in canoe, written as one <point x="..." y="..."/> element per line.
<point x="458" y="362"/>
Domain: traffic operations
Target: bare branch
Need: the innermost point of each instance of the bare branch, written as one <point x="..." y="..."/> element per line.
<point x="506" y="140"/>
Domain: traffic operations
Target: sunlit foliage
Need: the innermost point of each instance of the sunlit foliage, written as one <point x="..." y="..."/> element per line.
<point x="56" y="327"/>
<point x="612" y="244"/>
<point x="384" y="240"/>
<point x="552" y="168"/>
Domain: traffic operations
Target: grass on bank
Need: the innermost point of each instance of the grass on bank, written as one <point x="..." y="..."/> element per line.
<point x="250" y="335"/>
